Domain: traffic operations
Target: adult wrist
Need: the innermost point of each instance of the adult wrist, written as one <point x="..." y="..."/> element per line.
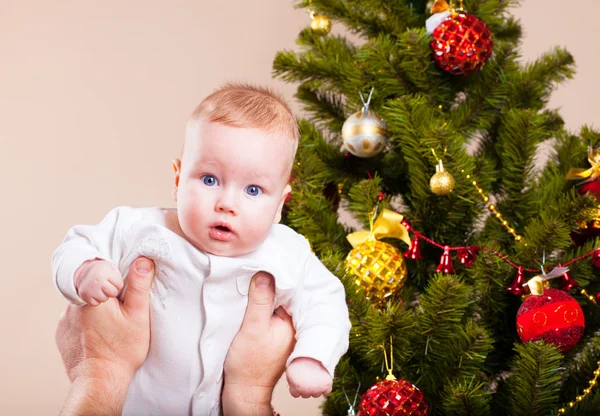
<point x="244" y="400"/>
<point x="98" y="388"/>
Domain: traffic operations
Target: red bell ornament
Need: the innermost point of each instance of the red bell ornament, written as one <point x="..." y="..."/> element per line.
<point x="466" y="256"/>
<point x="516" y="287"/>
<point x="567" y="282"/>
<point x="414" y="252"/>
<point x="445" y="265"/>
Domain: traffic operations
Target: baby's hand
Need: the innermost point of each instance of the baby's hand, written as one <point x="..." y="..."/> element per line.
<point x="98" y="280"/>
<point x="308" y="378"/>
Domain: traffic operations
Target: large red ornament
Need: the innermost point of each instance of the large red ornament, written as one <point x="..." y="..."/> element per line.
<point x="461" y="44"/>
<point x="554" y="317"/>
<point x="393" y="398"/>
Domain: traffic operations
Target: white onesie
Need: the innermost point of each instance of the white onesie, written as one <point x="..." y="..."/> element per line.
<point x="199" y="301"/>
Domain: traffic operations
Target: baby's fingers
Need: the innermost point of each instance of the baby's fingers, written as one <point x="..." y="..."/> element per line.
<point x="89" y="299"/>
<point x="109" y="289"/>
<point x="100" y="297"/>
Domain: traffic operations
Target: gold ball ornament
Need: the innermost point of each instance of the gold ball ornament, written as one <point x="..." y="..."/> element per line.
<point x="378" y="268"/>
<point x="442" y="182"/>
<point x="320" y="24"/>
<point x="364" y="133"/>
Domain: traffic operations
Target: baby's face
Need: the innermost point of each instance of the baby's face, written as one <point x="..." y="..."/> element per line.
<point x="231" y="187"/>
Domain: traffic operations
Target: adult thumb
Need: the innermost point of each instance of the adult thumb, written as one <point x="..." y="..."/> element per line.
<point x="139" y="283"/>
<point x="261" y="297"/>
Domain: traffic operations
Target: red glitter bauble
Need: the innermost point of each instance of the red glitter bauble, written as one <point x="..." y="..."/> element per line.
<point x="554" y="317"/>
<point x="461" y="44"/>
<point x="393" y="398"/>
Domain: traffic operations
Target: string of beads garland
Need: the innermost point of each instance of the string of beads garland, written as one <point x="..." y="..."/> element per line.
<point x="494" y="210"/>
<point x="442" y="183"/>
<point x="592" y="383"/>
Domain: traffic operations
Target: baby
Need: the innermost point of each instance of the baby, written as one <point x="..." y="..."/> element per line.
<point x="230" y="186"/>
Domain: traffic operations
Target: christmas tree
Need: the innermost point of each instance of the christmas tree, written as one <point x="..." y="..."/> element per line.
<point x="439" y="121"/>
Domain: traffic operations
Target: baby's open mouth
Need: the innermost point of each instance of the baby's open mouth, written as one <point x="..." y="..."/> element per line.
<point x="222" y="228"/>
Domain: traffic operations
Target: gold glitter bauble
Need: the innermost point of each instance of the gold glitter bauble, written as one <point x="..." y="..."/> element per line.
<point x="320" y="24"/>
<point x="379" y="269"/>
<point x="442" y="183"/>
<point x="364" y="133"/>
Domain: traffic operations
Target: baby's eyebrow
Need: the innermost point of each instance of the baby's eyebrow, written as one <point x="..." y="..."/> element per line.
<point x="259" y="174"/>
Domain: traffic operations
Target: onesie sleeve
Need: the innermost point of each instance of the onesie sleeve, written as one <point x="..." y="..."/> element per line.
<point x="320" y="316"/>
<point x="88" y="242"/>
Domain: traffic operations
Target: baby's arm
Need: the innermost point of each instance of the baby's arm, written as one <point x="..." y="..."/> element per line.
<point x="322" y="330"/>
<point x="85" y="265"/>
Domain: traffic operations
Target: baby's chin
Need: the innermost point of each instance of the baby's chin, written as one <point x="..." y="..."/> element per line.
<point x="222" y="249"/>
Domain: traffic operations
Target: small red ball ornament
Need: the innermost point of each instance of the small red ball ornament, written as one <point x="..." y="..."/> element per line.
<point x="596" y="258"/>
<point x="393" y="398"/>
<point x="461" y="44"/>
<point x="592" y="187"/>
<point x="554" y="317"/>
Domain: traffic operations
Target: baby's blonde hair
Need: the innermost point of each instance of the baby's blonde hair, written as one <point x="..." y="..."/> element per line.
<point x="248" y="106"/>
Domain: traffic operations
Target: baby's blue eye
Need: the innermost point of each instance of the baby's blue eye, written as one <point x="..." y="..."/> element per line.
<point x="253" y="190"/>
<point x="210" y="180"/>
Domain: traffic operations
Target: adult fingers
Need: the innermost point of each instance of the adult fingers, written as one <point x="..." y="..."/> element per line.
<point x="261" y="296"/>
<point x="139" y="283"/>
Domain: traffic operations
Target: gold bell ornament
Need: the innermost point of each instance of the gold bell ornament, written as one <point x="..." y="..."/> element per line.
<point x="364" y="133"/>
<point x="442" y="182"/>
<point x="378" y="267"/>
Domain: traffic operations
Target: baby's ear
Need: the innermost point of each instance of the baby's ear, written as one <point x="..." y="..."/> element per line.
<point x="286" y="191"/>
<point x="177" y="169"/>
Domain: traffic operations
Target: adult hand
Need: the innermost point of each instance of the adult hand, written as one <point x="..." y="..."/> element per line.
<point x="256" y="358"/>
<point x="103" y="346"/>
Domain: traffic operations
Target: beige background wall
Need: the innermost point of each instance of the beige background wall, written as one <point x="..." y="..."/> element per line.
<point x="93" y="100"/>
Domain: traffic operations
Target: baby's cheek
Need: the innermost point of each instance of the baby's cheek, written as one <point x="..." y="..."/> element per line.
<point x="190" y="216"/>
<point x="258" y="233"/>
